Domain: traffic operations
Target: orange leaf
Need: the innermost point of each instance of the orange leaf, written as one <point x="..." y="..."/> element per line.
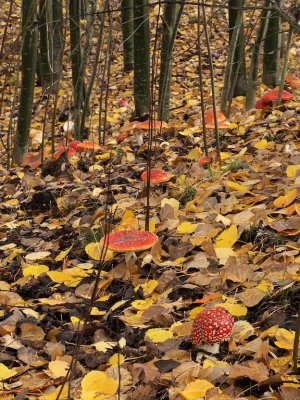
<point x="288" y="198"/>
<point x="208" y="297"/>
<point x="293" y="209"/>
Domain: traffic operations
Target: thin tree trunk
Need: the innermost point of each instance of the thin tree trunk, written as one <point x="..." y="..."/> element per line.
<point x="74" y="16"/>
<point x="171" y="20"/>
<point x="141" y="58"/>
<point x="271" y="49"/>
<point x="29" y="57"/>
<point x="127" y="30"/>
<point x="46" y="42"/>
<point x="58" y="41"/>
<point x="95" y="66"/>
<point x="239" y="63"/>
<point x="229" y="76"/>
<point x="253" y="73"/>
<point x="80" y="84"/>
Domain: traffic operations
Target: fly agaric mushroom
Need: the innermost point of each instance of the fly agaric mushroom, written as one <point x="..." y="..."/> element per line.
<point x="143" y="126"/>
<point x="74" y="147"/>
<point x="156" y="176"/>
<point x="129" y="240"/>
<point x="210" y="120"/>
<point x="270" y="97"/>
<point x="204" y="160"/>
<point x="212" y="326"/>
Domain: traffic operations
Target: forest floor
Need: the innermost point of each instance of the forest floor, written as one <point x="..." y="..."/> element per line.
<point x="228" y="237"/>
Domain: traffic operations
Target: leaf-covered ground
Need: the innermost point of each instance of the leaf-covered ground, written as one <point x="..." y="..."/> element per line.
<point x="228" y="236"/>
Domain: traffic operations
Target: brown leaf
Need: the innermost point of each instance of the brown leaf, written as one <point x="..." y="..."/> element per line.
<point x="258" y="372"/>
<point x="251" y="297"/>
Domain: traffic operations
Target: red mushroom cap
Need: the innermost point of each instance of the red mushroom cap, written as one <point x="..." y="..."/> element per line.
<point x="129" y="240"/>
<point x="144" y="126"/>
<point x="260" y="105"/>
<point x="156" y="176"/>
<point x="204" y="160"/>
<point x="212" y="326"/>
<point x="272" y="95"/>
<point x="210" y="121"/>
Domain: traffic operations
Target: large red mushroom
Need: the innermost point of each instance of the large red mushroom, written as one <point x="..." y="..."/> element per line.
<point x="271" y="96"/>
<point x="129" y="240"/>
<point x="213" y="325"/>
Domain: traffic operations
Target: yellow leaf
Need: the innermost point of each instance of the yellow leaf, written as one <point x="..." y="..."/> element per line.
<point x="285" y="339"/>
<point x="122" y="343"/>
<point x="77" y="322"/>
<point x="237" y="310"/>
<point x="40" y="255"/>
<point x="186" y="227"/>
<point x="96" y="311"/>
<point x="147" y="287"/>
<point x="287" y="199"/>
<point x="63" y="254"/>
<point x="227" y="238"/>
<point x="236" y="186"/>
<point x="58" y="368"/>
<point x="265" y="286"/>
<point x="35" y="270"/>
<point x="116" y="359"/>
<point x="194" y="154"/>
<point x="224" y="155"/>
<point x="210" y="363"/>
<point x="223" y="253"/>
<point x="96" y="252"/>
<point x="12" y="202"/>
<point x="171" y="202"/>
<point x="196" y="389"/>
<point x="59" y="277"/>
<point x="225" y="221"/>
<point x="241" y="130"/>
<point x="62" y="392"/>
<point x="98" y="382"/>
<point x="195" y="311"/>
<point x="263" y="144"/>
<point x="103" y="346"/>
<point x="280" y="364"/>
<point x="158" y="335"/>
<point x="142" y="304"/>
<point x="292" y="170"/>
<point x="6" y="373"/>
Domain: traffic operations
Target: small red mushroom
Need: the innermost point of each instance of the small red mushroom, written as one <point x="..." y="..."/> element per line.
<point x="156" y="176"/>
<point x="204" y="160"/>
<point x="144" y="126"/>
<point x="210" y="121"/>
<point x="129" y="240"/>
<point x="271" y="96"/>
<point x="212" y="326"/>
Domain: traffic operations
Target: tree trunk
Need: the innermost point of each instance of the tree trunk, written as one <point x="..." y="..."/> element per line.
<point x="238" y="78"/>
<point x="80" y="84"/>
<point x="58" y="41"/>
<point x="271" y="49"/>
<point x="229" y="72"/>
<point x="169" y="19"/>
<point x="29" y="57"/>
<point x="260" y="36"/>
<point x="127" y="30"/>
<point x="46" y="41"/>
<point x="74" y="15"/>
<point x="141" y="58"/>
